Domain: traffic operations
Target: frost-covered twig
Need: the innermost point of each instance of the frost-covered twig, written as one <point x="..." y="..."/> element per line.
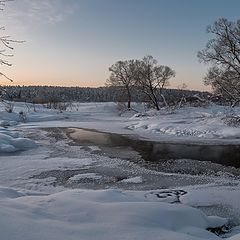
<point x="7" y="44"/>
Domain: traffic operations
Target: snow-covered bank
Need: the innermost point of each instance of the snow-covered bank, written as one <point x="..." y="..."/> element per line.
<point x="102" y="215"/>
<point x="198" y="124"/>
<point x="189" y="122"/>
<point x="12" y="144"/>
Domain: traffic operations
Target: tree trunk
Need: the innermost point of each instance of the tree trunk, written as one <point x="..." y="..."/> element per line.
<point x="129" y="98"/>
<point x="164" y="100"/>
<point x="152" y="98"/>
<point x="157" y="105"/>
<point x="155" y="100"/>
<point x="129" y="104"/>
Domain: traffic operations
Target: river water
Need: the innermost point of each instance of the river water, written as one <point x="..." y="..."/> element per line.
<point x="226" y="155"/>
<point x="128" y="163"/>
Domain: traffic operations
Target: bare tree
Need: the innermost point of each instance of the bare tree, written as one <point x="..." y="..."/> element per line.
<point x="6" y="43"/>
<point x="153" y="78"/>
<point x="123" y="74"/>
<point x="223" y="53"/>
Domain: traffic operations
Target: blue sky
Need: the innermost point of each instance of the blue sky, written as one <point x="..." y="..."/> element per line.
<point x="73" y="42"/>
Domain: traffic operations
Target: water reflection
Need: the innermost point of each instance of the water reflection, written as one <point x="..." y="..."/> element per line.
<point x="227" y="155"/>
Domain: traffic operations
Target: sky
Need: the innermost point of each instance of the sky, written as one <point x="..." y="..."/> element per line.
<point x="74" y="42"/>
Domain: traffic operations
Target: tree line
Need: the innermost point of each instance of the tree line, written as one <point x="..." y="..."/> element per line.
<point x="46" y="94"/>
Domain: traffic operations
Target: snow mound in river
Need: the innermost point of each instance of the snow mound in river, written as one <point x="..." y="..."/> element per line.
<point x="12" y="144"/>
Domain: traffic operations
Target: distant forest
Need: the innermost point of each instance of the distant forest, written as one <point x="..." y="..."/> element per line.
<point x="43" y="94"/>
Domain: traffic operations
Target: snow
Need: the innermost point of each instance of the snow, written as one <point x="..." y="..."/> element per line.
<point x="199" y="124"/>
<point x="36" y="207"/>
<point x="10" y="144"/>
<point x="203" y="123"/>
<point x="102" y="215"/>
<point x="84" y="176"/>
<point x="132" y="180"/>
<point x="207" y="196"/>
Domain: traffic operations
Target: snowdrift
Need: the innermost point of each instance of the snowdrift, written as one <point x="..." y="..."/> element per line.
<point x="102" y="215"/>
